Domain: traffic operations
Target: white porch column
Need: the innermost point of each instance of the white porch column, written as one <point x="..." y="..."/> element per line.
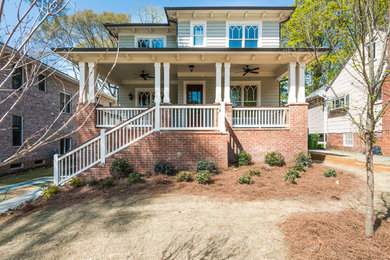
<point x="218" y="80"/>
<point x="91" y="82"/>
<point x="226" y="94"/>
<point x="292" y="98"/>
<point x="157" y="82"/>
<point x="301" y="83"/>
<point x="166" y="82"/>
<point x="82" y="86"/>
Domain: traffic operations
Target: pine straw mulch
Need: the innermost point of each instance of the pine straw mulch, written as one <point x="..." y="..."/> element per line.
<point x="311" y="186"/>
<point x="336" y="235"/>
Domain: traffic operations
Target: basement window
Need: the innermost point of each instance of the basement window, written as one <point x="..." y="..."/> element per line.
<point x="16" y="166"/>
<point x="39" y="162"/>
<point x="348" y="139"/>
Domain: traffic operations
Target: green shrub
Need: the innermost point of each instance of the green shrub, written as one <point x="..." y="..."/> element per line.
<point x="206" y="166"/>
<point x="254" y="172"/>
<point x="304" y="159"/>
<point x="204" y="177"/>
<point x="299" y="167"/>
<point x="121" y="168"/>
<point x="274" y="159"/>
<point x="291" y="175"/>
<point x="163" y="167"/>
<point x="245" y="179"/>
<point x="76" y="182"/>
<point x="330" y="173"/>
<point x="320" y="146"/>
<point x="135" y="177"/>
<point x="243" y="158"/>
<point x="92" y="182"/>
<point x="183" y="176"/>
<point x="50" y="191"/>
<point x="107" y="183"/>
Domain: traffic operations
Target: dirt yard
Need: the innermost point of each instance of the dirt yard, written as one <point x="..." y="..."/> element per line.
<point x="164" y="219"/>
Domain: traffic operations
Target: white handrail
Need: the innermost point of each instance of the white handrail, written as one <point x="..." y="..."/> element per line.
<point x="260" y="117"/>
<point x="112" y="116"/>
<point x="99" y="148"/>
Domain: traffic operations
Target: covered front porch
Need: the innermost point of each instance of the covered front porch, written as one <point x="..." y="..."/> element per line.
<point x="195" y="88"/>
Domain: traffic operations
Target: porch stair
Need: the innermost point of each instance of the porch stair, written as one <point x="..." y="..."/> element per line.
<point x="97" y="150"/>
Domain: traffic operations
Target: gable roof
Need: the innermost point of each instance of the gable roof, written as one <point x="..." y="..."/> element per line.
<point x="319" y="93"/>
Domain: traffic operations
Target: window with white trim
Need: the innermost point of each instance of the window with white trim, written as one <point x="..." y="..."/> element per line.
<point x="145" y="97"/>
<point x="338" y="103"/>
<point x="198" y="35"/>
<point x="65" y="145"/>
<point x="243" y="36"/>
<point x="348" y="139"/>
<point x="244" y="95"/>
<point x="150" y="43"/>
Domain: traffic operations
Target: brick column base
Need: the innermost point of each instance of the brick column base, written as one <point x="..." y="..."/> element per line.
<point x="86" y="123"/>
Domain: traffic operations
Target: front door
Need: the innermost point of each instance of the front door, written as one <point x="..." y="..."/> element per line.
<point x="194" y="94"/>
<point x="194" y="97"/>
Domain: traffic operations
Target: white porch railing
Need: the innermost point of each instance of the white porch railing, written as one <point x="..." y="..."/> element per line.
<point x="189" y="117"/>
<point x="260" y="117"/>
<point x="112" y="116"/>
<point x="99" y="148"/>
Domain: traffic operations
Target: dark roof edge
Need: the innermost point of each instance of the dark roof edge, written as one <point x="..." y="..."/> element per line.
<point x="134" y="24"/>
<point x="192" y="49"/>
<point x="292" y="8"/>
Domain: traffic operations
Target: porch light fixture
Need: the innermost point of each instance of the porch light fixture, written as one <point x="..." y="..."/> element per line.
<point x="191" y="67"/>
<point x="130" y="96"/>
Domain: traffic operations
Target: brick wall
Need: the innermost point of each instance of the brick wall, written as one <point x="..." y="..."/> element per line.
<point x="384" y="142"/>
<point x="86" y="122"/>
<point x="258" y="142"/>
<point x="335" y="141"/>
<point x="38" y="109"/>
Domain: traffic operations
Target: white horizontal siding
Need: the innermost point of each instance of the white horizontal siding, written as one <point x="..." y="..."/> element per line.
<point x="269" y="91"/>
<point x="183" y="34"/>
<point x="126" y="41"/>
<point x="271" y="34"/>
<point x="316" y="117"/>
<point x="216" y="34"/>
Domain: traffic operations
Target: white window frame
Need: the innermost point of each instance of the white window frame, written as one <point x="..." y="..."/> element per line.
<point x="150" y="37"/>
<point x="243" y="24"/>
<point x="242" y="84"/>
<point x="345" y="143"/>
<point x="70" y="103"/>
<point x="334" y="100"/>
<point x="185" y="83"/>
<point x="151" y="90"/>
<point x="202" y="23"/>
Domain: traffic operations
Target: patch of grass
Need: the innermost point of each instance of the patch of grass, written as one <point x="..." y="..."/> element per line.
<point x="26" y="176"/>
<point x="245" y="179"/>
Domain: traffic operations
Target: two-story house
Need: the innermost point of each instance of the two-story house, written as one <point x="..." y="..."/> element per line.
<point x="328" y="116"/>
<point x="46" y="104"/>
<point x="204" y="85"/>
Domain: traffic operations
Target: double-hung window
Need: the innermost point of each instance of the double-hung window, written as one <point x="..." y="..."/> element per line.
<point x="17" y="130"/>
<point x="348" y="139"/>
<point x="42" y="82"/>
<point x="65" y="103"/>
<point x="17" y="78"/>
<point x="198" y="33"/>
<point x="65" y="145"/>
<point x="243" y="36"/>
<point x="150" y="43"/>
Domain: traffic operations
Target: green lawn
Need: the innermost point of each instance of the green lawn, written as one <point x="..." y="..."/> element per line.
<point x="26" y="176"/>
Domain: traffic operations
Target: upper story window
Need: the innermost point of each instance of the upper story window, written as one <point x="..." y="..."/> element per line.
<point x="150" y="43"/>
<point x="17" y="130"/>
<point x="338" y="103"/>
<point x="198" y="34"/>
<point x="42" y="82"/>
<point x="243" y="36"/>
<point x="65" y="103"/>
<point x="17" y="78"/>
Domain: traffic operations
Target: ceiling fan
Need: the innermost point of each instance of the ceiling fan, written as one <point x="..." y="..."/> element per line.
<point x="144" y="75"/>
<point x="249" y="70"/>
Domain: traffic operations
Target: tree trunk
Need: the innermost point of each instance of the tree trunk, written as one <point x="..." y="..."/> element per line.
<point x="370" y="184"/>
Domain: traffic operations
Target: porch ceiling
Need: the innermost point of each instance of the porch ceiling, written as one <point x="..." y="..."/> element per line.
<point x="129" y="73"/>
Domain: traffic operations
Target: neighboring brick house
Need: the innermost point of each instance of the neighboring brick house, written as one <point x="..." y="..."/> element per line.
<point x="205" y="85"/>
<point x="328" y="118"/>
<point x="37" y="109"/>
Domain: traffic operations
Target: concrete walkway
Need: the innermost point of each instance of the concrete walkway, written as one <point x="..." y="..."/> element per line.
<point x="15" y="202"/>
<point x="381" y="163"/>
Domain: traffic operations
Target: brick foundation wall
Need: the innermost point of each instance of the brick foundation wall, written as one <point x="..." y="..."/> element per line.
<point x="86" y="122"/>
<point x="258" y="142"/>
<point x="384" y="141"/>
<point x="335" y="141"/>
